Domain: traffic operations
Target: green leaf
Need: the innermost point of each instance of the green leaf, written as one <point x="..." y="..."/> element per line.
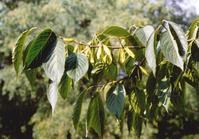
<point x="150" y="53"/>
<point x="129" y="120"/>
<point x="138" y="101"/>
<point x="18" y="51"/>
<point x="115" y="100"/>
<point x="111" y="72"/>
<point x="151" y="84"/>
<point x="193" y="30"/>
<point x="195" y="50"/>
<point x="170" y="50"/>
<point x="129" y="64"/>
<point x="65" y="86"/>
<point x="116" y="31"/>
<point x="76" y="66"/>
<point x="77" y="109"/>
<point x="142" y="34"/>
<point x="134" y="120"/>
<point x="137" y="124"/>
<point x="165" y="93"/>
<point x="95" y="115"/>
<point x="54" y="67"/>
<point x="31" y="76"/>
<point x="40" y="49"/>
<point x="178" y="36"/>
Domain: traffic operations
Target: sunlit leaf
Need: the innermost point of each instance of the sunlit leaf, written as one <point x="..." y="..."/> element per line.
<point x="150" y="53"/>
<point x="129" y="52"/>
<point x="54" y="67"/>
<point x="143" y="34"/>
<point x="122" y="55"/>
<point x="170" y="50"/>
<point x="100" y="53"/>
<point x="52" y="95"/>
<point x="108" y="55"/>
<point x="193" y="30"/>
<point x="178" y="36"/>
<point x="143" y="70"/>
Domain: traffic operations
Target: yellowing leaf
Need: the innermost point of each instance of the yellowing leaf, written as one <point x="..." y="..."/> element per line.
<point x="67" y="40"/>
<point x="144" y="71"/>
<point x="100" y="53"/>
<point x="108" y="57"/>
<point x="121" y="55"/>
<point x="129" y="52"/>
<point x="91" y="56"/>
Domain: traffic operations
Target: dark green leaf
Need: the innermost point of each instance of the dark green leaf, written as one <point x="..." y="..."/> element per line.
<point x="95" y="114"/>
<point x="195" y="50"/>
<point x="151" y="84"/>
<point x="116" y="31"/>
<point x="115" y="100"/>
<point x="31" y="76"/>
<point x="129" y="120"/>
<point x="129" y="64"/>
<point x="65" y="86"/>
<point x="111" y="72"/>
<point x="76" y="66"/>
<point x="137" y="124"/>
<point x="77" y="109"/>
<point x="41" y="48"/>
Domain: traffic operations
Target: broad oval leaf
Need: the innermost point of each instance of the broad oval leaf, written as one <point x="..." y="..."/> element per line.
<point x="40" y="49"/>
<point x="65" y="86"/>
<point x="76" y="66"/>
<point x="116" y="31"/>
<point x="95" y="115"/>
<point x="178" y="36"/>
<point x="54" y="67"/>
<point x="77" y="109"/>
<point x="52" y="95"/>
<point x="17" y="56"/>
<point x="115" y="100"/>
<point x="170" y="50"/>
<point x="142" y="34"/>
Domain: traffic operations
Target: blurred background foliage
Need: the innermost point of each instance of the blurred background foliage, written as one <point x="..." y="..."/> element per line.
<point x="25" y="112"/>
